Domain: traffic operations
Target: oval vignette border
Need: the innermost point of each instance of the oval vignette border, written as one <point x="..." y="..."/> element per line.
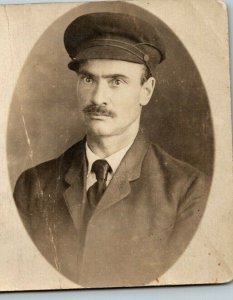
<point x="45" y="96"/>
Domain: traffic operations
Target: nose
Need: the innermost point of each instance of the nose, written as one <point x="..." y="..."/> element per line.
<point x="99" y="96"/>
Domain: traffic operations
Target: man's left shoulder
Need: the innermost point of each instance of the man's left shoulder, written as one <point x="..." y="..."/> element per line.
<point x="179" y="174"/>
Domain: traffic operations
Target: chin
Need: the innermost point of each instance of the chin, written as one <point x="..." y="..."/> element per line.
<point x="99" y="130"/>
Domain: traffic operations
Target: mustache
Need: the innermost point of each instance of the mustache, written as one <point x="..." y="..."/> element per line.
<point x="97" y="110"/>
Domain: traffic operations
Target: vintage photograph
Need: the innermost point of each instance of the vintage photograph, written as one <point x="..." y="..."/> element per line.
<point x="111" y="144"/>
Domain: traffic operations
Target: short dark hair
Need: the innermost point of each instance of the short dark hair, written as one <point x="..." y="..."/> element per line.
<point x="145" y="75"/>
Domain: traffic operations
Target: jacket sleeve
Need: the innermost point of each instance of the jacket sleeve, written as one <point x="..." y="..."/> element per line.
<point x="23" y="196"/>
<point x="190" y="211"/>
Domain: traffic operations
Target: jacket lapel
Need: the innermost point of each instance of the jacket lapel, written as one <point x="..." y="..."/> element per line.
<point x="128" y="170"/>
<point x="119" y="187"/>
<point x="75" y="194"/>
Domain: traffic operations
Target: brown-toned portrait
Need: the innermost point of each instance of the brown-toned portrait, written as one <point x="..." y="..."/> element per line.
<point x="110" y="145"/>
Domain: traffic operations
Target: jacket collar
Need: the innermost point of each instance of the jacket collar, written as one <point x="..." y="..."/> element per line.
<point x="128" y="170"/>
<point x="77" y="163"/>
<point x="131" y="164"/>
<point x="119" y="187"/>
<point x="75" y="178"/>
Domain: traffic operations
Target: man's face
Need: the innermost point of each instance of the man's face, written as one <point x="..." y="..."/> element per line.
<point x="111" y="95"/>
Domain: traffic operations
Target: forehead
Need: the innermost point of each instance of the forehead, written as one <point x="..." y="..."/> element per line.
<point x="105" y="67"/>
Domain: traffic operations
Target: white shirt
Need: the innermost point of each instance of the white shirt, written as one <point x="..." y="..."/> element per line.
<point x="113" y="160"/>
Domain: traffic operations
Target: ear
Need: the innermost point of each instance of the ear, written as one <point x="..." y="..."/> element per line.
<point x="147" y="91"/>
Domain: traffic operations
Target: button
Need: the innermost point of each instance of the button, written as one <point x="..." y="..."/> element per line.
<point x="146" y="57"/>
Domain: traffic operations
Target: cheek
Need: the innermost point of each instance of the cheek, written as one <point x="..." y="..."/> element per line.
<point x="128" y="102"/>
<point x="83" y="96"/>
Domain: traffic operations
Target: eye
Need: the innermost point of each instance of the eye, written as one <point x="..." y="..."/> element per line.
<point x="86" y="79"/>
<point x="117" y="82"/>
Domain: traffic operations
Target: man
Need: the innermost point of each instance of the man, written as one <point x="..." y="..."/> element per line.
<point x="113" y="210"/>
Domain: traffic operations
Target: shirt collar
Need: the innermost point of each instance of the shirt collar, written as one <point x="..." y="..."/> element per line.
<point x="113" y="160"/>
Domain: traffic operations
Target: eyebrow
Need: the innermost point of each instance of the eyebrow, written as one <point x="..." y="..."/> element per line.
<point x="116" y="75"/>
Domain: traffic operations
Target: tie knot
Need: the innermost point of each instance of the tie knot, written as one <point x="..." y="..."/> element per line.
<point x="101" y="168"/>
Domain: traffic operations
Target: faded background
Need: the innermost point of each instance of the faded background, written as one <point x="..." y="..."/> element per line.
<point x="44" y="118"/>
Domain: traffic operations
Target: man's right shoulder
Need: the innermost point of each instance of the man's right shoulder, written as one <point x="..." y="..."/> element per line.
<point x="49" y="170"/>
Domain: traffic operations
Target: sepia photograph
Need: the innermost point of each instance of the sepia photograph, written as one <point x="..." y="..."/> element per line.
<point x="114" y="138"/>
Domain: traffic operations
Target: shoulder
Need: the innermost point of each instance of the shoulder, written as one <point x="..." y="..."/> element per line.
<point x="172" y="164"/>
<point x="42" y="174"/>
<point x="179" y="175"/>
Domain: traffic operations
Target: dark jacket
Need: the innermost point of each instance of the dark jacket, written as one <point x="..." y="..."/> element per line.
<point x="143" y="223"/>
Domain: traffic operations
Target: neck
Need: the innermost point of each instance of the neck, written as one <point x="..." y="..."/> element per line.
<point x="104" y="146"/>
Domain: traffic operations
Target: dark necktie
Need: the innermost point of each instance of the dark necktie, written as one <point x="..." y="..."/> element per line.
<point x="101" y="169"/>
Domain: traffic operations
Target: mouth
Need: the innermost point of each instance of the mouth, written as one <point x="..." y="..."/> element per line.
<point x="97" y="116"/>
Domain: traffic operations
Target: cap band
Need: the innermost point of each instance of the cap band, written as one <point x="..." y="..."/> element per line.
<point x="114" y="43"/>
<point x="131" y="48"/>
